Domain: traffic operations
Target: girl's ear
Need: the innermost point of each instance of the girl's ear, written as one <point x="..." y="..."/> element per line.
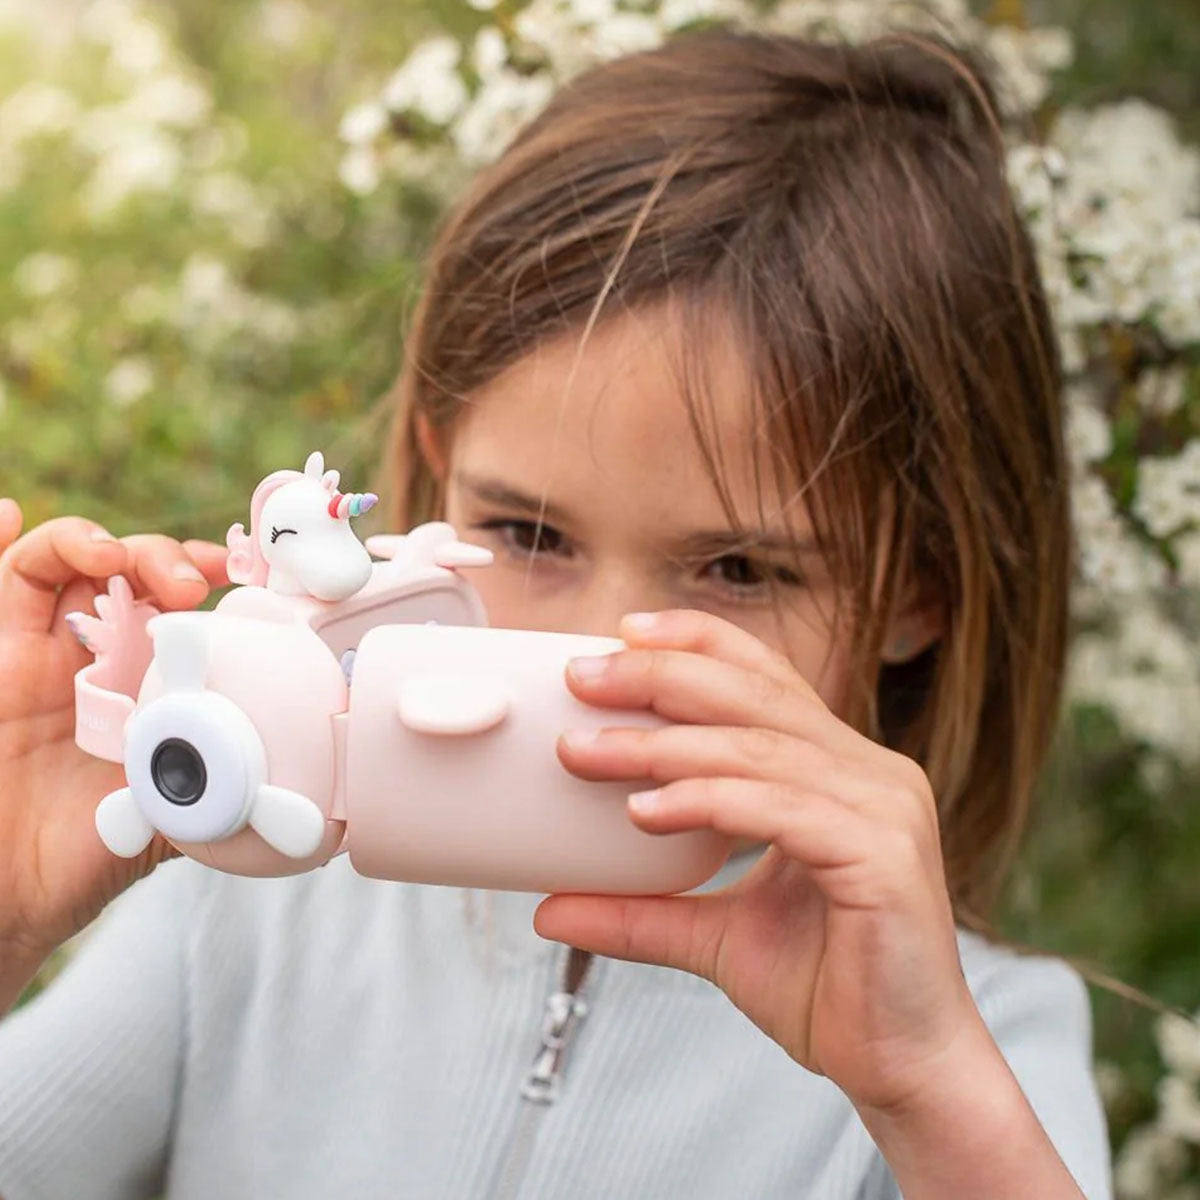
<point x="918" y="622"/>
<point x="431" y="446"/>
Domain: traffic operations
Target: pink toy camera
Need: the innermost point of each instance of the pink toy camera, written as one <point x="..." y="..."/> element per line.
<point x="331" y="703"/>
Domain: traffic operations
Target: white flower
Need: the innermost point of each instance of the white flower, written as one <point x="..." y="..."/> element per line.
<point x="285" y="22"/>
<point x="1179" y="1108"/>
<point x="171" y="100"/>
<point x="499" y="109"/>
<point x="489" y="52"/>
<point x="128" y="381"/>
<point x="429" y="81"/>
<point x="483" y="5"/>
<point x="1148" y="1158"/>
<point x="204" y="282"/>
<point x="37" y="110"/>
<point x="150" y="161"/>
<point x="1179" y="1043"/>
<point x="233" y="200"/>
<point x="626" y="33"/>
<point x="672" y="14"/>
<point x="363" y="123"/>
<point x="1168" y="494"/>
<point x="1187" y="551"/>
<point x="1088" y="432"/>
<point x="140" y="48"/>
<point x="44" y="273"/>
<point x="1116" y="561"/>
<point x="359" y="170"/>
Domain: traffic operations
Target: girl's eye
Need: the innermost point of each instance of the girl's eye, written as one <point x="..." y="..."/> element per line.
<point x="527" y="537"/>
<point x="741" y="574"/>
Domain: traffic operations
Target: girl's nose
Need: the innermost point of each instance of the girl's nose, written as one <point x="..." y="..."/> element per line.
<point x="599" y="608"/>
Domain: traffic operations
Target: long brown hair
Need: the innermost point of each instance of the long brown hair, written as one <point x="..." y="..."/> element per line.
<point x="844" y="209"/>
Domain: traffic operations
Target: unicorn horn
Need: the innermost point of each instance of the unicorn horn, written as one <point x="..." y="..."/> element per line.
<point x="353" y="504"/>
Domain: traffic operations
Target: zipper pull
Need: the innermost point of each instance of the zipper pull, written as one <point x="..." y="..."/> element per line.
<point x="542" y="1082"/>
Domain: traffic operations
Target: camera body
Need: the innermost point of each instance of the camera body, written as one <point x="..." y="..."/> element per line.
<point x="389" y="722"/>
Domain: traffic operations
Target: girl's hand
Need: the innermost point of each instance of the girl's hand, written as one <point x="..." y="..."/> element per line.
<point x="840" y="943"/>
<point x="55" y="873"/>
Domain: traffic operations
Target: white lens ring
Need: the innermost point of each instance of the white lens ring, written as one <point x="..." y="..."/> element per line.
<point x="194" y="763"/>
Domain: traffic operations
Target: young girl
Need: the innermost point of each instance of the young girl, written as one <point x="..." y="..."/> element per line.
<point x="744" y="333"/>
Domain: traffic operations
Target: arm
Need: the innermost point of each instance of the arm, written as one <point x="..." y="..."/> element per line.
<point x="18" y="966"/>
<point x="91" y="1066"/>
<point x="1013" y="1110"/>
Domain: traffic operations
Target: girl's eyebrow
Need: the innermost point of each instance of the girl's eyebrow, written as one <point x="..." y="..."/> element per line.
<point x="495" y="491"/>
<point x="715" y="541"/>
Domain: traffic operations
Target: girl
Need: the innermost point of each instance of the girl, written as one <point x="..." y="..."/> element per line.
<point x="738" y="352"/>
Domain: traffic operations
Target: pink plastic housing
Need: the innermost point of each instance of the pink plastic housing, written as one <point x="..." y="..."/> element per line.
<point x="436" y="765"/>
<point x="494" y="807"/>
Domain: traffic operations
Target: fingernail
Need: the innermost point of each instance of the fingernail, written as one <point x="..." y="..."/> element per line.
<point x="646" y="802"/>
<point x="102" y="535"/>
<point x="642" y="622"/>
<point x="580" y="739"/>
<point x="590" y="667"/>
<point x="186" y="572"/>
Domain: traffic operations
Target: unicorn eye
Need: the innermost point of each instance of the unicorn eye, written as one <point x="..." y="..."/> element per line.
<point x="277" y="533"/>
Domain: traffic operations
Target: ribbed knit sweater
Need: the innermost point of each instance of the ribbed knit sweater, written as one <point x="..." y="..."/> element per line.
<point x="327" y="1035"/>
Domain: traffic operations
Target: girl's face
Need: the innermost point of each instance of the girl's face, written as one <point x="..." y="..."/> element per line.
<point x="631" y="519"/>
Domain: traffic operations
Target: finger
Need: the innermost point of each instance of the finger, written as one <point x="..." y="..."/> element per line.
<point x="212" y="559"/>
<point x="36" y="565"/>
<point x="704" y="633"/>
<point x="683" y="932"/>
<point x="686" y="932"/>
<point x="807" y="826"/>
<point x="676" y="752"/>
<point x="855" y="860"/>
<point x="11" y="519"/>
<point x="697" y="690"/>
<point x="160" y="568"/>
<point x="884" y="786"/>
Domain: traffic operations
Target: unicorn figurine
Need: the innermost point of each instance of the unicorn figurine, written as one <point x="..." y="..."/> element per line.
<point x="300" y="541"/>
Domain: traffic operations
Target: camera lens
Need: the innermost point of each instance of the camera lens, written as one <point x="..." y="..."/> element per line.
<point x="178" y="771"/>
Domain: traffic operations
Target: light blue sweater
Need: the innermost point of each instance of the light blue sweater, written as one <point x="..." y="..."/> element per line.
<point x="220" y="1038"/>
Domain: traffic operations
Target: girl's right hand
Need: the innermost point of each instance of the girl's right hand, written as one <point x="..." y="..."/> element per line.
<point x="55" y="873"/>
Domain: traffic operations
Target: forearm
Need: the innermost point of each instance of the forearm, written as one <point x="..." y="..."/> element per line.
<point x="18" y="965"/>
<point x="972" y="1136"/>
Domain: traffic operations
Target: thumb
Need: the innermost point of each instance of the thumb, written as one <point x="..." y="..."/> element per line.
<point x="11" y="519"/>
<point x="683" y="932"/>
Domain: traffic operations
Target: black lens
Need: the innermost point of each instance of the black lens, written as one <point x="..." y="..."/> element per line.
<point x="178" y="771"/>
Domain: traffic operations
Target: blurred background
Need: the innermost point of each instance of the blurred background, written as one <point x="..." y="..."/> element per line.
<point x="212" y="220"/>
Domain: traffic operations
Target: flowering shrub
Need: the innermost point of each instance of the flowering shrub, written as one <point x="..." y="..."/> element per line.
<point x="192" y="297"/>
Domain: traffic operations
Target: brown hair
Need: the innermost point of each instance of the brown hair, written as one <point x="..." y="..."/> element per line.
<point x="845" y="210"/>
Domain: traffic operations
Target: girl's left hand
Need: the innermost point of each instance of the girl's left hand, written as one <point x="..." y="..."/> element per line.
<point x="840" y="942"/>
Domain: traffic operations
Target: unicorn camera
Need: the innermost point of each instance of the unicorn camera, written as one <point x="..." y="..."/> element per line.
<point x="335" y="704"/>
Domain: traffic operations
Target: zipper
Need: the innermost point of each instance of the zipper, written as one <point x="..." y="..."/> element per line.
<point x="562" y="1013"/>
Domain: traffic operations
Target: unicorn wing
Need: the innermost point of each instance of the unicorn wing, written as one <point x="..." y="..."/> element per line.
<point x="452" y="702"/>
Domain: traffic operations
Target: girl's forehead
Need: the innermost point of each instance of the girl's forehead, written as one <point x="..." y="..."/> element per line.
<point x="609" y="420"/>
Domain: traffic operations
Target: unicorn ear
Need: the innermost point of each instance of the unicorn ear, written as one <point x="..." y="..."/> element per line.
<point x="330" y="479"/>
<point x="315" y="465"/>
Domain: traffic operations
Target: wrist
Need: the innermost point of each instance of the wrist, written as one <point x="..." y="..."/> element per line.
<point x="967" y="1129"/>
<point x="20" y="961"/>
